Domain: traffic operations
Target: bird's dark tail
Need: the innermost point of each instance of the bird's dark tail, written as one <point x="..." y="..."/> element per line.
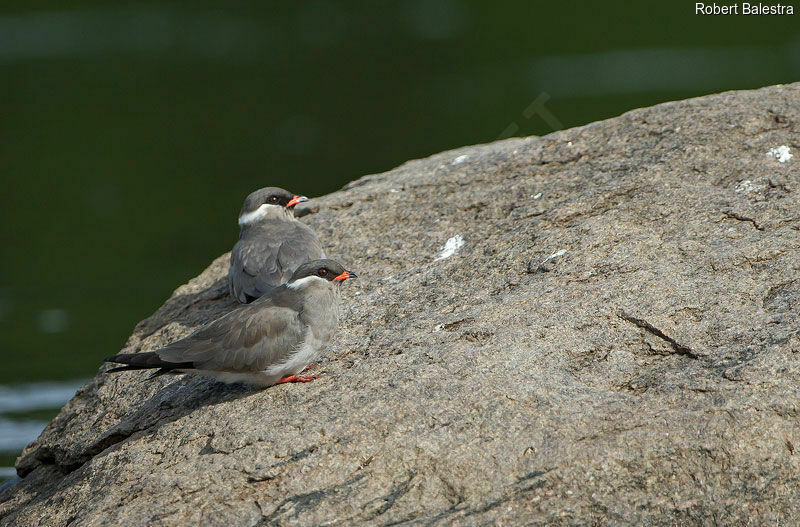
<point x="146" y="361"/>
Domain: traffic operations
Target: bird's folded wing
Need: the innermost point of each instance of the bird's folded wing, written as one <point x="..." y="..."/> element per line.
<point x="255" y="255"/>
<point x="254" y="268"/>
<point x="251" y="338"/>
<point x="303" y="247"/>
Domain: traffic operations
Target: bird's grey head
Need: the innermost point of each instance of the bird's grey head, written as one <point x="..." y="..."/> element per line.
<point x="318" y="271"/>
<point x="268" y="202"/>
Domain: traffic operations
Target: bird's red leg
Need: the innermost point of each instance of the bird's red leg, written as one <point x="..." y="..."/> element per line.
<point x="298" y="378"/>
<point x="309" y="367"/>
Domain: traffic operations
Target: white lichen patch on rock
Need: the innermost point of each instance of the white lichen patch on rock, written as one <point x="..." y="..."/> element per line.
<point x="781" y="153"/>
<point x="460" y="159"/>
<point x="748" y="186"/>
<point x="556" y="254"/>
<point x="450" y="247"/>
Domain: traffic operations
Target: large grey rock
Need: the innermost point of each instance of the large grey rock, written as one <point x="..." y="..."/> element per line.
<point x="615" y="343"/>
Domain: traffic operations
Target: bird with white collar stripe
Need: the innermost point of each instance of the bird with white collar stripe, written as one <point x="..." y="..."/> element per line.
<point x="269" y="341"/>
<point x="272" y="243"/>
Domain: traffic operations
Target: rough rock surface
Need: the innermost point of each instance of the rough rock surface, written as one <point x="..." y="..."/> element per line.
<point x="615" y="343"/>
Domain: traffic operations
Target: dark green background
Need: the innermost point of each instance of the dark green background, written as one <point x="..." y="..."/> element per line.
<point x="130" y="135"/>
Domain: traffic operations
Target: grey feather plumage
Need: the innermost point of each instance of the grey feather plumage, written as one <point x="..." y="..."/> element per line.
<point x="272" y="244"/>
<point x="249" y="338"/>
<point x="262" y="342"/>
<point x="268" y="253"/>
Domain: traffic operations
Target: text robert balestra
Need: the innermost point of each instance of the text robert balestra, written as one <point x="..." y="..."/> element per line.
<point x="743" y="8"/>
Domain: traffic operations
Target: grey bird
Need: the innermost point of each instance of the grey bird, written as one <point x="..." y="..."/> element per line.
<point x="272" y="244"/>
<point x="269" y="341"/>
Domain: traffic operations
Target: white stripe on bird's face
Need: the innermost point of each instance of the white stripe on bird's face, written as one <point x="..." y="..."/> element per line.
<point x="304" y="282"/>
<point x="264" y="211"/>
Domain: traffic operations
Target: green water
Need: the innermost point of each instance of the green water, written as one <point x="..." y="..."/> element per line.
<point x="130" y="135"/>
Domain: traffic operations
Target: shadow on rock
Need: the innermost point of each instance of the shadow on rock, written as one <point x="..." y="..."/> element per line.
<point x="176" y="400"/>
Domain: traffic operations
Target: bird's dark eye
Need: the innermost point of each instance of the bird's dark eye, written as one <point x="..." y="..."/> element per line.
<point x="322" y="272"/>
<point x="273" y="199"/>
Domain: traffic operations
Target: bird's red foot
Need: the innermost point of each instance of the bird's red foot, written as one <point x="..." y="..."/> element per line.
<point x="298" y="378"/>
